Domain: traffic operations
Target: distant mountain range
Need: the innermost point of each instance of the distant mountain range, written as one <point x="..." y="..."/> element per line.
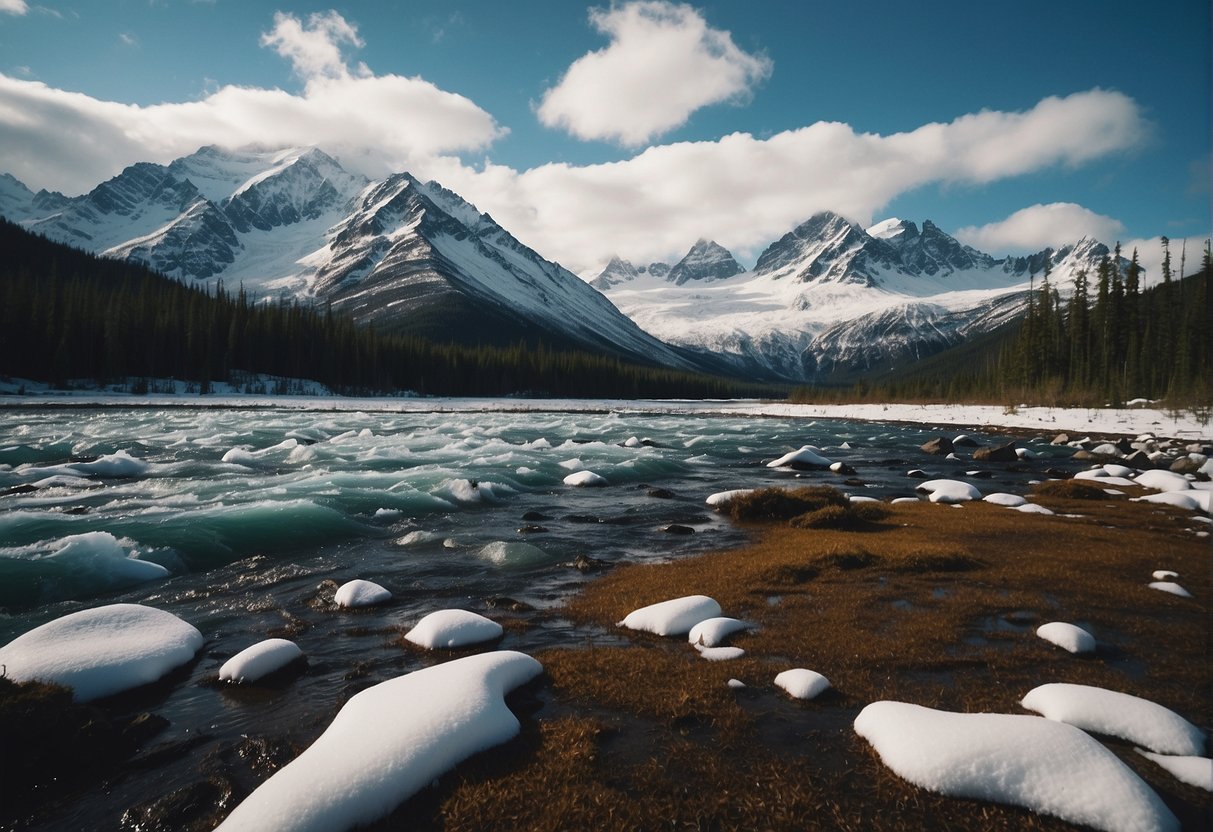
<point x="833" y="301"/>
<point x="829" y="300"/>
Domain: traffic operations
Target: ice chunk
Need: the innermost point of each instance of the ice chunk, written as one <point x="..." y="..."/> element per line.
<point x="452" y="629"/>
<point x="261" y="659"/>
<point x="514" y="554"/>
<point x="1117" y="714"/>
<point x="118" y="464"/>
<point x="1067" y="636"/>
<point x="675" y="617"/>
<point x="100" y="560"/>
<point x="802" y="683"/>
<point x="1195" y="771"/>
<point x="949" y="491"/>
<point x="360" y="593"/>
<point x="807" y="456"/>
<point x="102" y="651"/>
<point x="1048" y="767"/>
<point x="387" y="743"/>
<point x="1002" y="499"/>
<point x="712" y="631"/>
<point x="585" y="479"/>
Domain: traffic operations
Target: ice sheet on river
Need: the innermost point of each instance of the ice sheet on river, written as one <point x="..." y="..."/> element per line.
<point x="387" y="743"/>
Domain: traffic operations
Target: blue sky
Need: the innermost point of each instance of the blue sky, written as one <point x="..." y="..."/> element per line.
<point x="1058" y="119"/>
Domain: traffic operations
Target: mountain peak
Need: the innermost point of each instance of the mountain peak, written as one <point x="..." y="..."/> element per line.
<point x="706" y="261"/>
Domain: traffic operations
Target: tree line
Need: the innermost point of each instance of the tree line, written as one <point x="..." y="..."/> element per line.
<point x="68" y="315"/>
<point x="1111" y="340"/>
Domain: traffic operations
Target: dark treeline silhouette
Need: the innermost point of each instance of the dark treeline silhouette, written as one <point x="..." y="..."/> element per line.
<point x="1108" y="342"/>
<point x="66" y="314"/>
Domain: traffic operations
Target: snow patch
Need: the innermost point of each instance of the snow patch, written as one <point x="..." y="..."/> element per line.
<point x="259" y="660"/>
<point x="1117" y="714"/>
<point x="675" y="617"/>
<point x="1067" y="636"/>
<point x="801" y="683"/>
<point x="360" y="593"/>
<point x="453" y="629"/>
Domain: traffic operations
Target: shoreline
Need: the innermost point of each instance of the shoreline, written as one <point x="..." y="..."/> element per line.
<point x="1099" y="422"/>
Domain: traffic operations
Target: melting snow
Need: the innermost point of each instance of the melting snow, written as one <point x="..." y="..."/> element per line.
<point x="1117" y="714"/>
<point x="387" y="743"/>
<point x="1048" y="767"/>
<point x="102" y="651"/>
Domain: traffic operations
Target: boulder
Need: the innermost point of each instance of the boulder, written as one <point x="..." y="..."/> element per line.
<point x="1061" y="439"/>
<point x="940" y="446"/>
<point x="1002" y="453"/>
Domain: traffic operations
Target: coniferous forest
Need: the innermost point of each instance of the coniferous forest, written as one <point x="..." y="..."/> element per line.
<point x="1108" y="342"/>
<point x="67" y="315"/>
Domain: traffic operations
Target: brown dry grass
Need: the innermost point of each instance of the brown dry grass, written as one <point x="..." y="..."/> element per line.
<point x="936" y="606"/>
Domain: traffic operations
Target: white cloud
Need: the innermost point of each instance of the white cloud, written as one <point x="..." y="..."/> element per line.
<point x="657" y="203"/>
<point x="1037" y="226"/>
<point x="127" y="39"/>
<point x="663" y="63"/>
<point x="314" y="50"/>
<point x="69" y="141"/>
<point x="13" y="7"/>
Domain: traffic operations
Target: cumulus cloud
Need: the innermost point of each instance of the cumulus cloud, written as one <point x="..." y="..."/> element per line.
<point x="69" y="141"/>
<point x="1038" y="226"/>
<point x="663" y="63"/>
<point x="657" y="203"/>
<point x="13" y="7"/>
<point x="314" y="49"/>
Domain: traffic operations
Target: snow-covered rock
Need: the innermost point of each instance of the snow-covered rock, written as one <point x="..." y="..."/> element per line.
<point x="1067" y="636"/>
<point x="809" y="456"/>
<point x="360" y="593"/>
<point x="585" y="479"/>
<point x="723" y="498"/>
<point x="674" y="617"/>
<point x="1117" y="714"/>
<point x="713" y="631"/>
<point x="387" y="743"/>
<point x="1161" y="480"/>
<point x="259" y="660"/>
<point x="802" y="683"/>
<point x="102" y="651"/>
<point x="453" y="629"/>
<point x="1047" y="767"/>
<point x="949" y="491"/>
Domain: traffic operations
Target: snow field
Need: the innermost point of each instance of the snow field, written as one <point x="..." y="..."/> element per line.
<point x="102" y="651"/>
<point x="370" y="759"/>
<point x="1048" y="767"/>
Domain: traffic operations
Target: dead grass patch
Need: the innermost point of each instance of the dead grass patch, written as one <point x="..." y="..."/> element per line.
<point x="767" y="504"/>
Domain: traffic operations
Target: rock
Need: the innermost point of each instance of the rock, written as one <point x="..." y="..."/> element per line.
<point x="1137" y="459"/>
<point x="842" y="468"/>
<point x="1084" y="455"/>
<point x="585" y="563"/>
<point x="1002" y="453"/>
<point x="917" y="474"/>
<point x="1185" y="465"/>
<point x="678" y="528"/>
<point x="532" y="529"/>
<point x="660" y="493"/>
<point x="533" y="516"/>
<point x="965" y="441"/>
<point x="1061" y="439"/>
<point x="939" y="446"/>
<point x="502" y="602"/>
<point x="1124" y="446"/>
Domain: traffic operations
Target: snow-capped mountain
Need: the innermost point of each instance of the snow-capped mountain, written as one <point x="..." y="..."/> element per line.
<point x="831" y="299"/>
<point x="705" y="262"/>
<point x="407" y="255"/>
